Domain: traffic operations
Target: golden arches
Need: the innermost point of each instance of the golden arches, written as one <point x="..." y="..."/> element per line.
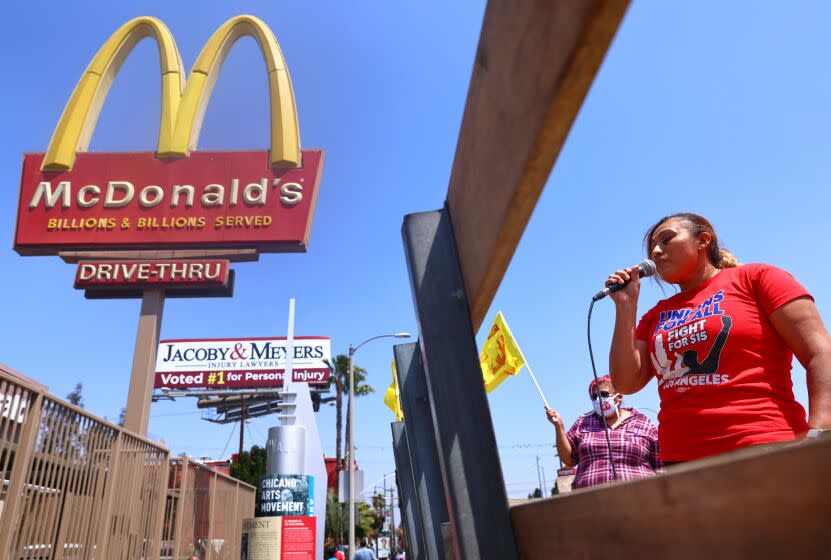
<point x="183" y="106"/>
<point x="285" y="137"/>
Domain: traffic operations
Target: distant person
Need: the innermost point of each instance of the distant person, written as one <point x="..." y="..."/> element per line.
<point x="633" y="437"/>
<point x="721" y="348"/>
<point x="364" y="553"/>
<point x="331" y="554"/>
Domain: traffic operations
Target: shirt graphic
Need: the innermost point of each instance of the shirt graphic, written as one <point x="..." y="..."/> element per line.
<point x="687" y="348"/>
<point x="723" y="370"/>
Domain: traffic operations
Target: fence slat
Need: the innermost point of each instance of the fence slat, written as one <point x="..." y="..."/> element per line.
<point x="209" y="549"/>
<point x="25" y="447"/>
<point x="158" y="521"/>
<point x="104" y="530"/>
<point x="180" y="509"/>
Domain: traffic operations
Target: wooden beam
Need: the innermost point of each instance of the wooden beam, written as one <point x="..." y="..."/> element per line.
<point x="535" y="63"/>
<point x="756" y="503"/>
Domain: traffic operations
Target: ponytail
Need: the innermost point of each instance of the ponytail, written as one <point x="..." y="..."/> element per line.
<point x="726" y="259"/>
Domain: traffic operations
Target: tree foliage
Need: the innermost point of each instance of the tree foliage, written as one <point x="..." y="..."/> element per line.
<point x="379" y="504"/>
<point x="249" y="466"/>
<point x="337" y="520"/>
<point x="76" y="396"/>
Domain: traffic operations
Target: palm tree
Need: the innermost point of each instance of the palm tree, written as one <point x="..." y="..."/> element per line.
<point x="340" y="379"/>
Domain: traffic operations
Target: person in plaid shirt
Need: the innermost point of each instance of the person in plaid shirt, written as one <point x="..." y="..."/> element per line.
<point x="633" y="436"/>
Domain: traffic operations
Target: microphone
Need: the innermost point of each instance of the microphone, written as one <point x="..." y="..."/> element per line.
<point x="645" y="268"/>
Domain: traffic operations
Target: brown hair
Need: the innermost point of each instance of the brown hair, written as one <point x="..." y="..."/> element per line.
<point x="719" y="256"/>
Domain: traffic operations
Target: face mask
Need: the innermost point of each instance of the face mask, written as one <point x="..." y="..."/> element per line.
<point x="608" y="403"/>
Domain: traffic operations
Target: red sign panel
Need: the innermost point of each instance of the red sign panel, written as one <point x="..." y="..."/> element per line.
<point x="178" y="273"/>
<point x="298" y="538"/>
<point x="136" y="200"/>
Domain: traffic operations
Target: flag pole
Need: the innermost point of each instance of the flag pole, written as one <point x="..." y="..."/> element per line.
<point x="531" y="373"/>
<point x="534" y="378"/>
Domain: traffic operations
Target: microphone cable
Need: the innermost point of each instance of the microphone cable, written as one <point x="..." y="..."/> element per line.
<point x="597" y="389"/>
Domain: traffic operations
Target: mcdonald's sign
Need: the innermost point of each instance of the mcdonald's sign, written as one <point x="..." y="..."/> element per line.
<point x="174" y="197"/>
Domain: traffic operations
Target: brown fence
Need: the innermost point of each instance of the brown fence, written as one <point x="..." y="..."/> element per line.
<point x="204" y="512"/>
<point x="74" y="486"/>
<point x="78" y="487"/>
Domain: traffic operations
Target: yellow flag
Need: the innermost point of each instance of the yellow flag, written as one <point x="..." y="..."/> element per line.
<point x="500" y="356"/>
<point x="392" y="399"/>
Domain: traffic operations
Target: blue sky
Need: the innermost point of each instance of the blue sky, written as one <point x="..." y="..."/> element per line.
<point x="717" y="108"/>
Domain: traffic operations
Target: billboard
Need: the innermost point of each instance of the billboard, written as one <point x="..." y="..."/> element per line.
<point x="173" y="197"/>
<point x="240" y="363"/>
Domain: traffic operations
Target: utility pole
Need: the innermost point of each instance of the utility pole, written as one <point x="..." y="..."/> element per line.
<point x="242" y="426"/>
<point x="539" y="479"/>
<point x="392" y="525"/>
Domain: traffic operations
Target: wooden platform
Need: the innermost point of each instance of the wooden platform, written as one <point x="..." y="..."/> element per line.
<point x="764" y="503"/>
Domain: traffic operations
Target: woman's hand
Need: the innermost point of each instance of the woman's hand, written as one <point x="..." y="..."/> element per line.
<point x="630" y="293"/>
<point x="563" y="445"/>
<point x="554" y="417"/>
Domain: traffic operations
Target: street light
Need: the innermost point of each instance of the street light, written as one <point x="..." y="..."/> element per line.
<point x="351" y="437"/>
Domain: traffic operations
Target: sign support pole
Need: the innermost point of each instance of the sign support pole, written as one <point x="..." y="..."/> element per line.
<point x="137" y="416"/>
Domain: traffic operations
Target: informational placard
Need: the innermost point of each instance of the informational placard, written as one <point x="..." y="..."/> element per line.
<point x="235" y="363"/>
<point x="137" y="200"/>
<point x="278" y="538"/>
<point x="383" y="547"/>
<point x="285" y="494"/>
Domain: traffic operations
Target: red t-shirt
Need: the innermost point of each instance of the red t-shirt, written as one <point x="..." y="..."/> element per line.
<point x="724" y="373"/>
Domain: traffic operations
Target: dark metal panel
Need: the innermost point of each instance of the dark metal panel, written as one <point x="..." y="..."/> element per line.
<point x="421" y="439"/>
<point x="471" y="471"/>
<point x="407" y="492"/>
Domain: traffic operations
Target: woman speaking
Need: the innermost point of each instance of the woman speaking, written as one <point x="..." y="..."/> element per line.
<point x="721" y="349"/>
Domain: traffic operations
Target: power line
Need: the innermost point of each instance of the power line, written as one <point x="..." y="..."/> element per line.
<point x="233" y="429"/>
<point x="258" y="429"/>
<point x="175" y="414"/>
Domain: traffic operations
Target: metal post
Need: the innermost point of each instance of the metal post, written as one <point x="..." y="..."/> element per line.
<point x="350" y="456"/>
<point x="392" y="523"/>
<point x="350" y="463"/>
<point x="423" y="450"/>
<point x="137" y="415"/>
<point x="242" y="427"/>
<point x="469" y="459"/>
<point x="411" y="517"/>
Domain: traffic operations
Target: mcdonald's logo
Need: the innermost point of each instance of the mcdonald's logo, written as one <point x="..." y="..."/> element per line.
<point x="175" y="197"/>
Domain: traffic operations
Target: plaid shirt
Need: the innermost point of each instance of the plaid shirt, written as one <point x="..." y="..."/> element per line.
<point x="634" y="448"/>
